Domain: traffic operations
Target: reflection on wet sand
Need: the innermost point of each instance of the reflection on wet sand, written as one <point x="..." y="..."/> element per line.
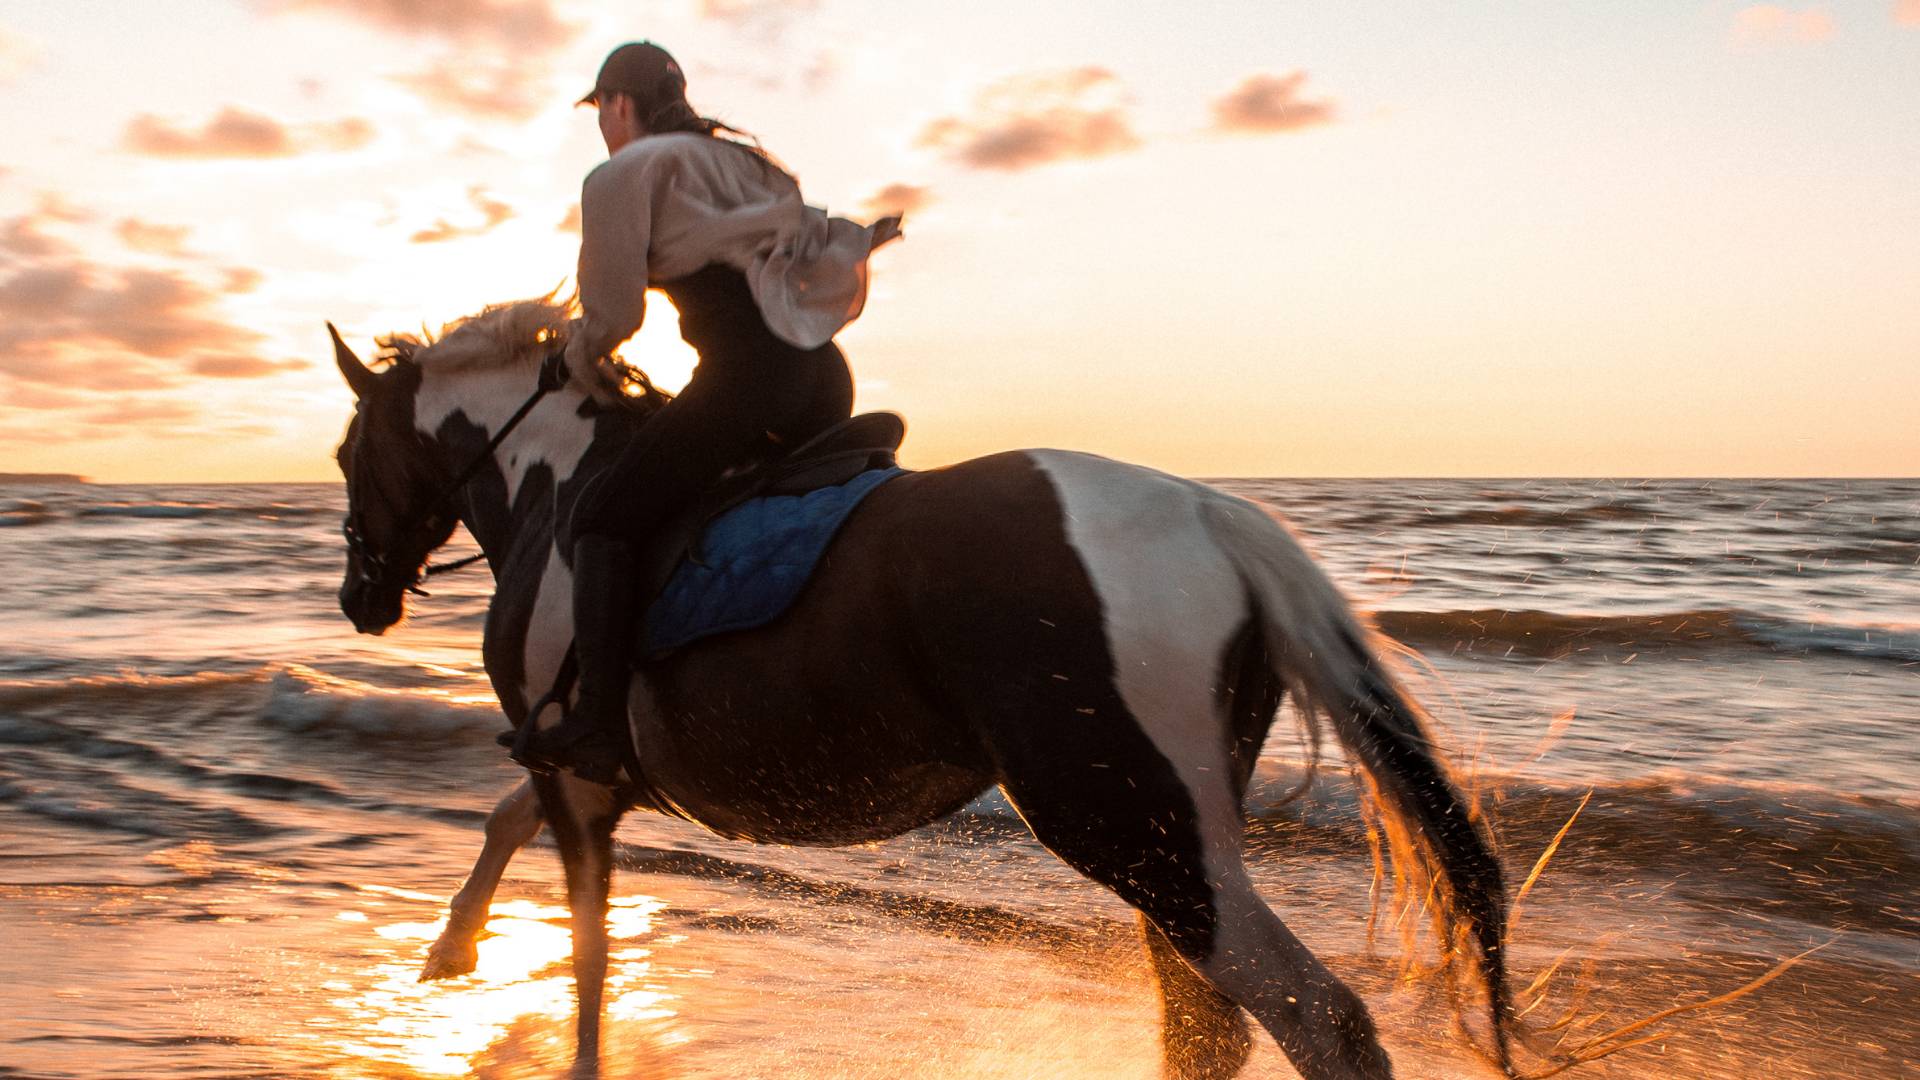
<point x="513" y="1013"/>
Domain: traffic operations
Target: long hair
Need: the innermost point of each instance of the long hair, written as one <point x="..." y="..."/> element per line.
<point x="665" y="110"/>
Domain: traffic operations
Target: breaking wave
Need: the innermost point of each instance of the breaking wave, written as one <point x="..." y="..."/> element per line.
<point x="1553" y="634"/>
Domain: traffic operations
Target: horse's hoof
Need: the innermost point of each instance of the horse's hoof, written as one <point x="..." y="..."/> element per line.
<point x="447" y="960"/>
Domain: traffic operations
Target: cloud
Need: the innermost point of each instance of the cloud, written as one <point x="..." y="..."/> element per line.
<point x="1771" y="24"/>
<point x="518" y="25"/>
<point x="136" y="411"/>
<point x="492" y="211"/>
<point x="897" y="199"/>
<point x="152" y="239"/>
<point x="484" y="88"/>
<point x="1267" y="104"/>
<point x="570" y="222"/>
<point x="497" y="66"/>
<point x="236" y="133"/>
<point x="21" y="238"/>
<point x="55" y="207"/>
<point x="19" y="54"/>
<point x="1036" y="119"/>
<point x="240" y="279"/>
<point x="26" y="396"/>
<point x="64" y="318"/>
<point x="1906" y="12"/>
<point x="223" y="366"/>
<point x="24" y="237"/>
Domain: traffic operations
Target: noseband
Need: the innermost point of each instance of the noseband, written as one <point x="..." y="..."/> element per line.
<point x="375" y="571"/>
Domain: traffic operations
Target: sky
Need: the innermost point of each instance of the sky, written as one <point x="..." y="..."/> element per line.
<point x="1642" y="238"/>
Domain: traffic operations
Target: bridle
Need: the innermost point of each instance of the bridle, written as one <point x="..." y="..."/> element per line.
<point x="375" y="571"/>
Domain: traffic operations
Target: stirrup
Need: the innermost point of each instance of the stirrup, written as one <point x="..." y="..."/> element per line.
<point x="519" y="740"/>
<point x="604" y="767"/>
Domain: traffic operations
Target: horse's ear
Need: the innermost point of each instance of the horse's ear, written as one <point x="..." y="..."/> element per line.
<point x="359" y="376"/>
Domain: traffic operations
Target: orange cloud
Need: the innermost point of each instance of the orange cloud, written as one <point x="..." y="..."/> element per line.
<point x="1906" y="12"/>
<point x="492" y="211"/>
<point x="125" y="414"/>
<point x="62" y="317"/>
<point x="240" y="367"/>
<point x="152" y="239"/>
<point x="489" y="89"/>
<point x="520" y="25"/>
<point x="570" y="223"/>
<point x="897" y="199"/>
<point x="21" y="238"/>
<point x="27" y="396"/>
<point x="1771" y="24"/>
<point x="1266" y="104"/>
<point x="240" y="279"/>
<point x="55" y="207"/>
<point x="236" y="133"/>
<point x="1037" y="119"/>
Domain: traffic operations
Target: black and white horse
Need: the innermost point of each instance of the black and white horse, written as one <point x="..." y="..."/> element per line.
<point x="1106" y="643"/>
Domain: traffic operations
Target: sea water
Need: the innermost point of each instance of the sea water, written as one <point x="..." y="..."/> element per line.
<point x="229" y="825"/>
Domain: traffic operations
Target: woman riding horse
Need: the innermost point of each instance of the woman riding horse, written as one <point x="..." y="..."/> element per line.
<point x="762" y="283"/>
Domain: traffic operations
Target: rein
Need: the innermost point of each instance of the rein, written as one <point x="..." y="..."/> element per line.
<point x="553" y="375"/>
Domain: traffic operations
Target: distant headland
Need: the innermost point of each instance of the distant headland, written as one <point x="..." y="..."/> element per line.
<point x="40" y="478"/>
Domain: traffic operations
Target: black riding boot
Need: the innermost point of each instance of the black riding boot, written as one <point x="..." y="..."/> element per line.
<point x="592" y="739"/>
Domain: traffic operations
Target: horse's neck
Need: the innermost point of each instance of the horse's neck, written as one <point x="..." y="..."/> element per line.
<point x="463" y="410"/>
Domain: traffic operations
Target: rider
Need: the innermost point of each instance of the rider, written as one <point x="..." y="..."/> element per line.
<point x="762" y="283"/>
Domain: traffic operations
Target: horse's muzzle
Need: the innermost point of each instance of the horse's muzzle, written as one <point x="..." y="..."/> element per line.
<point x="371" y="610"/>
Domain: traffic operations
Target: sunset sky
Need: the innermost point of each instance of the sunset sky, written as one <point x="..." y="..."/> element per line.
<point x="1221" y="238"/>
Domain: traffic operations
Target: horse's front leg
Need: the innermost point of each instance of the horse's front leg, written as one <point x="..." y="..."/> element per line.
<point x="583" y="816"/>
<point x="512" y="825"/>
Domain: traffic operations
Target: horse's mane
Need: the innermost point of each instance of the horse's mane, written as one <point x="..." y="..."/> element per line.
<point x="502" y="335"/>
<point x="521" y="333"/>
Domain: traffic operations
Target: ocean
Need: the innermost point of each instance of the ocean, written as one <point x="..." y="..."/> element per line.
<point x="229" y="825"/>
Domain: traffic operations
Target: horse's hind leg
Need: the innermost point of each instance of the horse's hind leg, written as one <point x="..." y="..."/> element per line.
<point x="512" y="825"/>
<point x="1132" y="826"/>
<point x="583" y="817"/>
<point x="1203" y="1034"/>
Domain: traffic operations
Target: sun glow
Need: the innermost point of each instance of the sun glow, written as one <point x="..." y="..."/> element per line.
<point x="657" y="348"/>
<point x="518" y="1002"/>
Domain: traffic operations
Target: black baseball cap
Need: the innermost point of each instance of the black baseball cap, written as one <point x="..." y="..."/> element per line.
<point x="640" y="69"/>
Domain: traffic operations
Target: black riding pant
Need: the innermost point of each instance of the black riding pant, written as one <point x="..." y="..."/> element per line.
<point x="748" y="386"/>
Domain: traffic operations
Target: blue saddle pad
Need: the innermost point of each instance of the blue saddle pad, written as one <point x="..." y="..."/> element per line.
<point x="752" y="561"/>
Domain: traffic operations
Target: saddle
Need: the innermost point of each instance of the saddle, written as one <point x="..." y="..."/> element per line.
<point x="860" y="444"/>
<point x="833" y="457"/>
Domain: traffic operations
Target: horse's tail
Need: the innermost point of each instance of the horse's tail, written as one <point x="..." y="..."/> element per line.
<point x="1324" y="656"/>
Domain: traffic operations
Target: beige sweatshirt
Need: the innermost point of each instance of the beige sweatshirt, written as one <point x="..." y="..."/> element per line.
<point x="668" y="205"/>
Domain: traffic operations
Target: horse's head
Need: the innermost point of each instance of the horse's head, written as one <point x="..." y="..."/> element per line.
<point x="397" y="488"/>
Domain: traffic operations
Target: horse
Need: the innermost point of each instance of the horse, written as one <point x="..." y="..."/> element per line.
<point x="1107" y="644"/>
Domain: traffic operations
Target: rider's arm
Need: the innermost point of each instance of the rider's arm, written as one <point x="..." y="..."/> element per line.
<point x="616" y="212"/>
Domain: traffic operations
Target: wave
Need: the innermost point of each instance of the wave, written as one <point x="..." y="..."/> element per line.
<point x="1554" y="634"/>
<point x="1792" y="850"/>
<point x="31" y="512"/>
<point x="24" y="512"/>
<point x="303" y="700"/>
<point x="298" y="700"/>
<point x="1538" y="517"/>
